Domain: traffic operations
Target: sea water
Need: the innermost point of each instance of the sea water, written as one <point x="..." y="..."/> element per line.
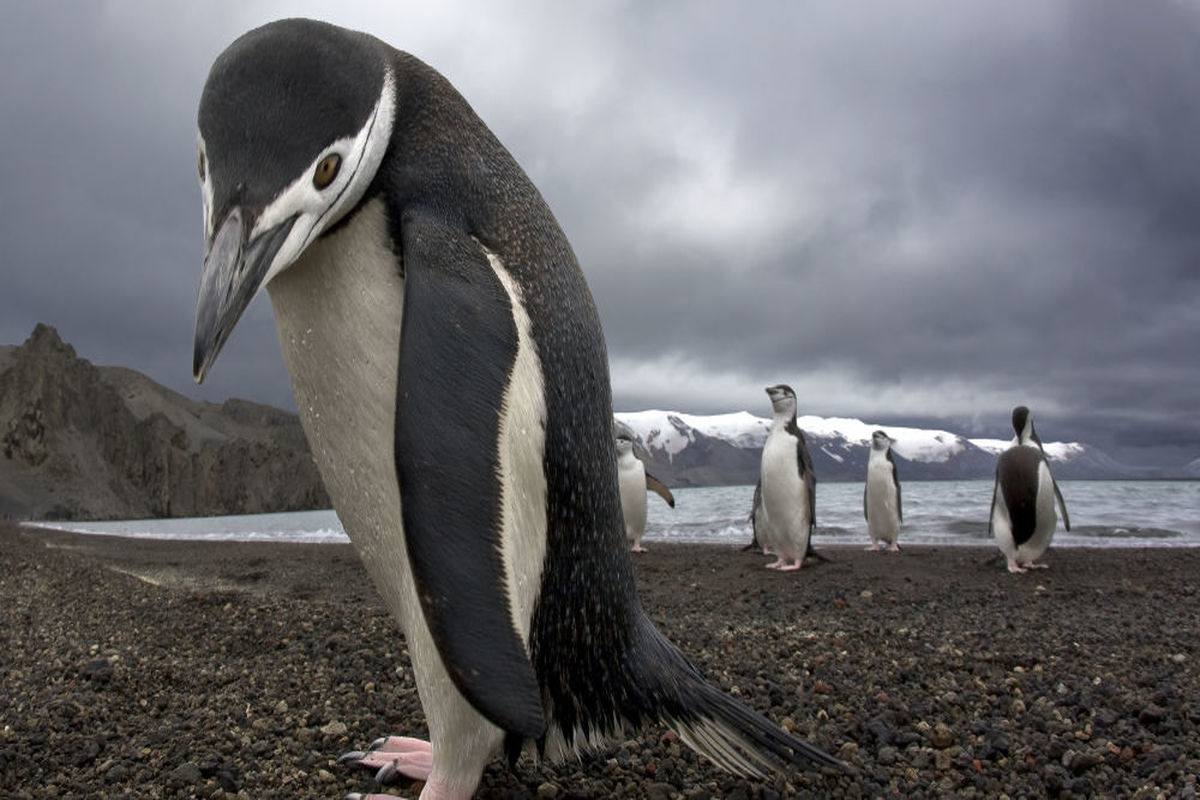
<point x="1103" y="514"/>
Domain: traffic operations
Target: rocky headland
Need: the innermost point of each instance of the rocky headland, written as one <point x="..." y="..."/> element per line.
<point x="78" y="441"/>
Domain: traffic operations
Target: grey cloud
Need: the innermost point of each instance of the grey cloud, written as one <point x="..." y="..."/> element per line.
<point x="1002" y="199"/>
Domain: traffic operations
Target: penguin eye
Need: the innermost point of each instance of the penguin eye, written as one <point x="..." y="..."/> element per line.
<point x="201" y="165"/>
<point x="327" y="170"/>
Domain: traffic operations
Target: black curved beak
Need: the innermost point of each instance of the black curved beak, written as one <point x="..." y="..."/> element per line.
<point x="234" y="270"/>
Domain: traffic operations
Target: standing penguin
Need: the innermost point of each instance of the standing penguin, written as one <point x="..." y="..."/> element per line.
<point x="786" y="514"/>
<point x="881" y="495"/>
<point x="635" y="480"/>
<point x="1023" y="518"/>
<point x="450" y="373"/>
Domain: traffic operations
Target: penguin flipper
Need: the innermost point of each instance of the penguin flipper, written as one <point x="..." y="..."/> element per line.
<point x="660" y="488"/>
<point x="458" y="344"/>
<point x="1062" y="505"/>
<point x="896" y="483"/>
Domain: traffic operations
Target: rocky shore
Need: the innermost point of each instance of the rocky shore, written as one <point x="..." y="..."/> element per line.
<point x="218" y="670"/>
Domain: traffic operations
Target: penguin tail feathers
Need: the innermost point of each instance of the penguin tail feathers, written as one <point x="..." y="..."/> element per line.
<point x="739" y="740"/>
<point x="714" y="724"/>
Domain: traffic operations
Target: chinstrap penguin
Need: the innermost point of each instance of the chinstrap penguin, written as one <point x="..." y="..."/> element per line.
<point x="881" y="495"/>
<point x="1023" y="515"/>
<point x="635" y="481"/>
<point x="450" y="373"/>
<point x="785" y="513"/>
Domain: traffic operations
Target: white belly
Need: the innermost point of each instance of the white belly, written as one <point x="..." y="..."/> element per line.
<point x="1047" y="519"/>
<point x="632" y="477"/>
<point x="341" y="346"/>
<point x="785" y="505"/>
<point x="883" y="517"/>
<point x="338" y="312"/>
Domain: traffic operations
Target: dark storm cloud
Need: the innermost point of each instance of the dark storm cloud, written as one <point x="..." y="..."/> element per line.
<point x="906" y="210"/>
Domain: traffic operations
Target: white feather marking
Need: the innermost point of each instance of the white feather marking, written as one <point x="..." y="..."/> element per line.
<point x="206" y="187"/>
<point x="785" y="508"/>
<point x="318" y="209"/>
<point x="338" y="311"/>
<point x="522" y="464"/>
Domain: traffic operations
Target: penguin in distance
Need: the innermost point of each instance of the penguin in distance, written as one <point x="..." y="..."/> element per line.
<point x="785" y="512"/>
<point x="1023" y="515"/>
<point x="635" y="481"/>
<point x="881" y="495"/>
<point x="450" y="373"/>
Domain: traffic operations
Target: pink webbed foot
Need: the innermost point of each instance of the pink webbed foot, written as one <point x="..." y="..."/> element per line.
<point x="873" y="548"/>
<point x="776" y="564"/>
<point x="1014" y="567"/>
<point x="792" y="567"/>
<point x="394" y="756"/>
<point x="637" y="548"/>
<point x="895" y="548"/>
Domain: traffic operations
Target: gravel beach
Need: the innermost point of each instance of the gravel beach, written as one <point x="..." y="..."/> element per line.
<point x="134" y="668"/>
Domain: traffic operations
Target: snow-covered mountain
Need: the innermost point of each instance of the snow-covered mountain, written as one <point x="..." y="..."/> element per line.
<point x="696" y="450"/>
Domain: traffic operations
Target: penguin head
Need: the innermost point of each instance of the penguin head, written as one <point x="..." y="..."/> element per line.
<point x="881" y="441"/>
<point x="624" y="446"/>
<point x="1022" y="420"/>
<point x="783" y="399"/>
<point x="294" y="122"/>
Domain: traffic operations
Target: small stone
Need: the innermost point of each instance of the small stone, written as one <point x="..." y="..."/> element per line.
<point x="547" y="790"/>
<point x="87" y="752"/>
<point x="1055" y="778"/>
<point x="335" y="728"/>
<point x="98" y="671"/>
<point x="878" y="728"/>
<point x="1080" y="762"/>
<point x="1152" y="714"/>
<point x="281" y="707"/>
<point x="941" y="736"/>
<point x="186" y="774"/>
<point x="658" y="790"/>
<point x="821" y="687"/>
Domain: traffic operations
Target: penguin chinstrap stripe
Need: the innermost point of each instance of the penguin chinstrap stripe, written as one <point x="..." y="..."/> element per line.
<point x="451" y="376"/>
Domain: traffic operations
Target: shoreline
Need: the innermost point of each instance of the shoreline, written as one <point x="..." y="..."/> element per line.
<point x="163" y="668"/>
<point x="825" y="542"/>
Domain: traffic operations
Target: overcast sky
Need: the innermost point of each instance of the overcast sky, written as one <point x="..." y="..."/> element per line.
<point x="923" y="211"/>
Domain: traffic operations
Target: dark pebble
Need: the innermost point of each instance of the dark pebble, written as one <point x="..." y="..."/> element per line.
<point x="185" y="774"/>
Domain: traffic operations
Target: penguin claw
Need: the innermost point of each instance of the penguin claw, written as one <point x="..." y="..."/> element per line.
<point x="393" y="758"/>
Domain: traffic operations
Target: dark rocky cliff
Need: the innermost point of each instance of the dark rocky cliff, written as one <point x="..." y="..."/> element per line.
<point x="87" y="442"/>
